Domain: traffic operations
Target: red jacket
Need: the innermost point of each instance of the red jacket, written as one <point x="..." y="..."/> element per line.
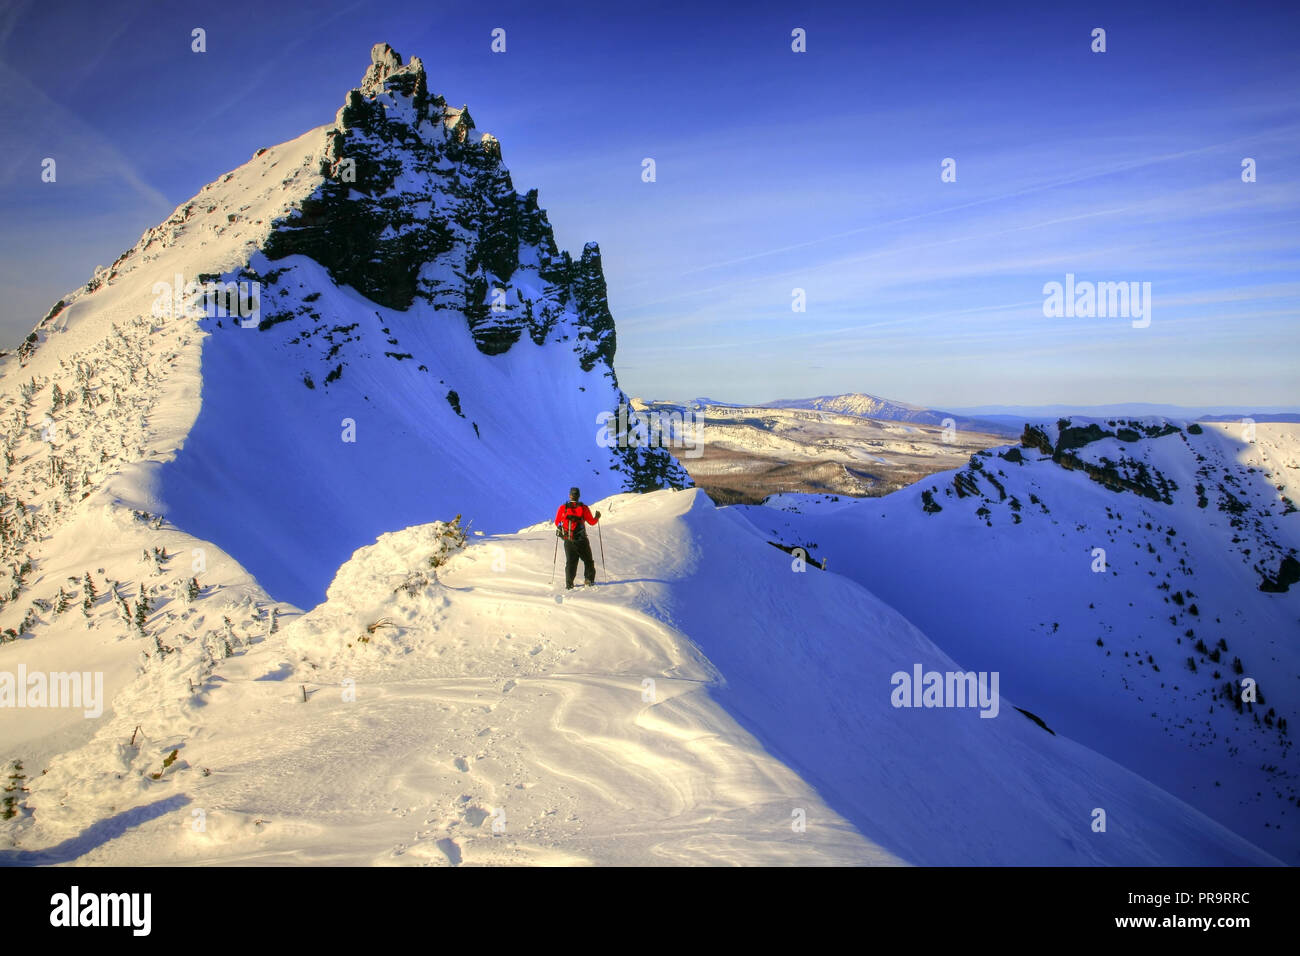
<point x="570" y="516"/>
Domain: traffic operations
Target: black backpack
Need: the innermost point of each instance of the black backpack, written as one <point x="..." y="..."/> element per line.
<point x="574" y="527"/>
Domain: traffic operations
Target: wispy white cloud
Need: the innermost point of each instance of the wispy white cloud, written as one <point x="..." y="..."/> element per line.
<point x="84" y="154"/>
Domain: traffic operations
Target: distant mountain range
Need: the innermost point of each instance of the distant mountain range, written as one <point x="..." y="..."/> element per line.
<point x="1010" y="419"/>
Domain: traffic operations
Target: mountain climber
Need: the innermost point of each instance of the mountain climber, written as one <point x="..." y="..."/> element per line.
<point x="569" y="525"/>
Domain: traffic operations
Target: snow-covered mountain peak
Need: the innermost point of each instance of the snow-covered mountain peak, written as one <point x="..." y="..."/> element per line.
<point x="372" y="302"/>
<point x="416" y="206"/>
<point x="404" y="92"/>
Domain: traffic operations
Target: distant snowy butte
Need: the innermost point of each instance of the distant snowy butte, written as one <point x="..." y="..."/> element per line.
<point x="860" y="405"/>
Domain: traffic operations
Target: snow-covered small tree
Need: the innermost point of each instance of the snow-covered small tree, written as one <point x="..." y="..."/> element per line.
<point x="142" y="608"/>
<point x="128" y="617"/>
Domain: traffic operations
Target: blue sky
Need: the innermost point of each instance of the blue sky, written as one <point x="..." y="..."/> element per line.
<point x="775" y="171"/>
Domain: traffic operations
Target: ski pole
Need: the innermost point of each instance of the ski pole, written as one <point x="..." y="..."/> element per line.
<point x="554" y="551"/>
<point x="601" y="538"/>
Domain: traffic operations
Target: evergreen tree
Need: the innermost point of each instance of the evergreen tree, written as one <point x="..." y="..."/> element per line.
<point x="142" y="608"/>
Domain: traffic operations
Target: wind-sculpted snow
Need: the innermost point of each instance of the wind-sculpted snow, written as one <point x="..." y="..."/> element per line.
<point x="441" y="707"/>
<point x="704" y="704"/>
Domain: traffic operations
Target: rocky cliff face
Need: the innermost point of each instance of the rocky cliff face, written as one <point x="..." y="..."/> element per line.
<point x="417" y="205"/>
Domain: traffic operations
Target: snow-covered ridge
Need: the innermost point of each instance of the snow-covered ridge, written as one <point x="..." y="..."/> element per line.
<point x="445" y="706"/>
<point x="1123" y="584"/>
<point x="101" y="394"/>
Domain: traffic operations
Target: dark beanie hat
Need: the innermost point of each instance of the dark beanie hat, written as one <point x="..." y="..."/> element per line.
<point x="575" y="494"/>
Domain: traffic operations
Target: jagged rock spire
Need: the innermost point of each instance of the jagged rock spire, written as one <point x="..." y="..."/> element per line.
<point x="385" y="62"/>
<point x="417" y="204"/>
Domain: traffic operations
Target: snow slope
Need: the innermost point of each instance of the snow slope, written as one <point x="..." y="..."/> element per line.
<point x="417" y="343"/>
<point x="1005" y="576"/>
<point x="460" y="710"/>
<point x="95" y="401"/>
<point x="314" y="473"/>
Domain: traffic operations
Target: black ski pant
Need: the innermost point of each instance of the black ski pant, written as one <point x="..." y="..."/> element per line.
<point x="573" y="550"/>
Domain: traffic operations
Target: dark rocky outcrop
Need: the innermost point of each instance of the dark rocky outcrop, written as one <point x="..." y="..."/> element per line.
<point x="1287" y="574"/>
<point x="1122" y="475"/>
<point x="418" y="205"/>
